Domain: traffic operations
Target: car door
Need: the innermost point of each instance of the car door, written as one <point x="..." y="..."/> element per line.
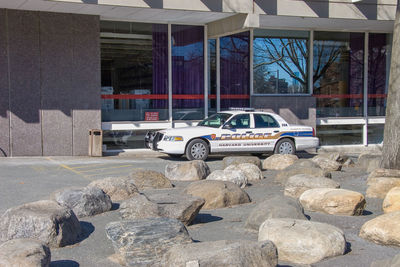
<point x="266" y="132"/>
<point x="233" y="135"/>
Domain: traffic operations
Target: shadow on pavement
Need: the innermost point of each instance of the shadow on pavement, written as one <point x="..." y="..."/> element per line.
<point x="87" y="230"/>
<point x="64" y="263"/>
<point x="205" y="218"/>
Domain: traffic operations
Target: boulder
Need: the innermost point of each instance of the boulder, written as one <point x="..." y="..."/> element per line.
<point x="24" y="253"/>
<point x="392" y="173"/>
<point x="335" y="156"/>
<point x="187" y="171"/>
<point x="44" y="220"/>
<point x="235" y="160"/>
<point x="84" y="201"/>
<point x="327" y="164"/>
<point x="349" y="163"/>
<point x="223" y="253"/>
<point x="118" y="188"/>
<point x="378" y="187"/>
<point x="147" y="179"/>
<point x="251" y="171"/>
<point x="298" y="184"/>
<point x="384" y="229"/>
<point x="230" y="175"/>
<point x="392" y="200"/>
<point x="218" y="194"/>
<point x="333" y="201"/>
<point x="278" y="161"/>
<point x="275" y="207"/>
<point x="301" y="241"/>
<point x="369" y="162"/>
<point x="138" y="207"/>
<point x="144" y="242"/>
<point x="182" y="207"/>
<point x="307" y="167"/>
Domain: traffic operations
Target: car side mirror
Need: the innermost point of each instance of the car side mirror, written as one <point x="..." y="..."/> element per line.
<point x="227" y="126"/>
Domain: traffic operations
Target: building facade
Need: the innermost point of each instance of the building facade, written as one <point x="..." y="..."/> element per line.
<point x="130" y="66"/>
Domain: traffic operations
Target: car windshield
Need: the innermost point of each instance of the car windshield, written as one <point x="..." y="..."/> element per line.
<point x="216" y="120"/>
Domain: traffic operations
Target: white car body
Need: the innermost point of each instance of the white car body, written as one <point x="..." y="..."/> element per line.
<point x="250" y="138"/>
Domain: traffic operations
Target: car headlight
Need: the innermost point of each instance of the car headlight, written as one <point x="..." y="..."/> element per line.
<point x="173" y="138"/>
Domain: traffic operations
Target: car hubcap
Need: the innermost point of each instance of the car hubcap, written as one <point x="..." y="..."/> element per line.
<point x="198" y="151"/>
<point x="285" y="148"/>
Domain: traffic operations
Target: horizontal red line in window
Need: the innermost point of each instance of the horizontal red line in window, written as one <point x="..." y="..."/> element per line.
<point x="164" y="97"/>
<point x="352" y="96"/>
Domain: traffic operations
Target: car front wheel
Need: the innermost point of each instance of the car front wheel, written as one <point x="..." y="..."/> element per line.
<point x="285" y="146"/>
<point x="197" y="149"/>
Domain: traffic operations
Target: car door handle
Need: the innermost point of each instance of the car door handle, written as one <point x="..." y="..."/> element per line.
<point x="249" y="132"/>
<point x="276" y="131"/>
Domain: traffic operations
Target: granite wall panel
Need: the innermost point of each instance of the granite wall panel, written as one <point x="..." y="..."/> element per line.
<point x="4" y="88"/>
<point x="57" y="97"/>
<point x="24" y="68"/>
<point x="86" y="81"/>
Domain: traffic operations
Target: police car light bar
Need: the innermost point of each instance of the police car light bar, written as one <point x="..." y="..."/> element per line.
<point x="243" y="109"/>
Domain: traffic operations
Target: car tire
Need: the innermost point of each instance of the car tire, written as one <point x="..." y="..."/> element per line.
<point x="175" y="156"/>
<point x="285" y="146"/>
<point x="197" y="149"/>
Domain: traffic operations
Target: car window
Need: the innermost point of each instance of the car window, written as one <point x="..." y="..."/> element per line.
<point x="215" y="121"/>
<point x="241" y="121"/>
<point x="264" y="121"/>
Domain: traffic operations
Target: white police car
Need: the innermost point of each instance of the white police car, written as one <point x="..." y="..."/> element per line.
<point x="233" y="131"/>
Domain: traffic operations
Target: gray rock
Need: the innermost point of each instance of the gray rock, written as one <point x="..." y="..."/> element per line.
<point x="223" y="253"/>
<point x="118" y="188"/>
<point x="383" y="230"/>
<point x="235" y="176"/>
<point x="303" y="242"/>
<point x="275" y="207"/>
<point x="251" y="171"/>
<point x="24" y="253"/>
<point x="279" y="161"/>
<point x="298" y="184"/>
<point x="378" y="187"/>
<point x="235" y="160"/>
<point x="147" y="179"/>
<point x="306" y="167"/>
<point x="218" y="194"/>
<point x="182" y="207"/>
<point x="44" y="220"/>
<point x="369" y="162"/>
<point x="138" y="207"/>
<point x="336" y="156"/>
<point x="327" y="164"/>
<point x="144" y="242"/>
<point x="349" y="163"/>
<point x="84" y="201"/>
<point x="187" y="171"/>
<point x="390" y="173"/>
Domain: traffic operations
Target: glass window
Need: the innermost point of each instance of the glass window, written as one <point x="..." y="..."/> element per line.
<point x="338" y="73"/>
<point x="187" y="72"/>
<point x="264" y="121"/>
<point x="241" y="121"/>
<point x="115" y="140"/>
<point x="280" y="62"/>
<point x="134" y="71"/>
<point x="375" y="133"/>
<point x="340" y="134"/>
<point x="378" y="72"/>
<point x="235" y="70"/>
<point x="216" y="120"/>
<point x="212" y="76"/>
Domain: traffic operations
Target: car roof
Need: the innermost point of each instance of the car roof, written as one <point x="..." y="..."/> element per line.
<point x="234" y="112"/>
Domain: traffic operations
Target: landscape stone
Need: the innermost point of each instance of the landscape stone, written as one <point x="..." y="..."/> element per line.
<point x="187" y="171"/>
<point x="147" y="179"/>
<point x="218" y="194"/>
<point x="138" y="207"/>
<point x="276" y="207"/>
<point x="378" y="187"/>
<point x="118" y="188"/>
<point x="144" y="242"/>
<point x="84" y="201"/>
<point x="251" y="171"/>
<point x="44" y="220"/>
<point x="349" y="163"/>
<point x="223" y="253"/>
<point x="369" y="162"/>
<point x="278" y="161"/>
<point x="301" y="166"/>
<point x="301" y="241"/>
<point x="333" y="201"/>
<point x="384" y="229"/>
<point x="298" y="184"/>
<point x="24" y="253"/>
<point x="327" y="164"/>
<point x="380" y="172"/>
<point x="392" y="200"/>
<point x="336" y="156"/>
<point x="230" y="175"/>
<point x="235" y="160"/>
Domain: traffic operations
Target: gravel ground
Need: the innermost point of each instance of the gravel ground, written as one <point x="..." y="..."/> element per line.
<point x="29" y="179"/>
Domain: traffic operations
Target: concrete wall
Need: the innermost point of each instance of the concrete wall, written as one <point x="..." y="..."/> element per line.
<point x="49" y="82"/>
<point x="294" y="109"/>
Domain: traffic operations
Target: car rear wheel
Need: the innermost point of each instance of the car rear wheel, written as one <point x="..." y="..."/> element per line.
<point x="197" y="149"/>
<point x="285" y="146"/>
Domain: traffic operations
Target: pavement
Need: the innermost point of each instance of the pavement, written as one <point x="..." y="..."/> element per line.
<point x="30" y="179"/>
